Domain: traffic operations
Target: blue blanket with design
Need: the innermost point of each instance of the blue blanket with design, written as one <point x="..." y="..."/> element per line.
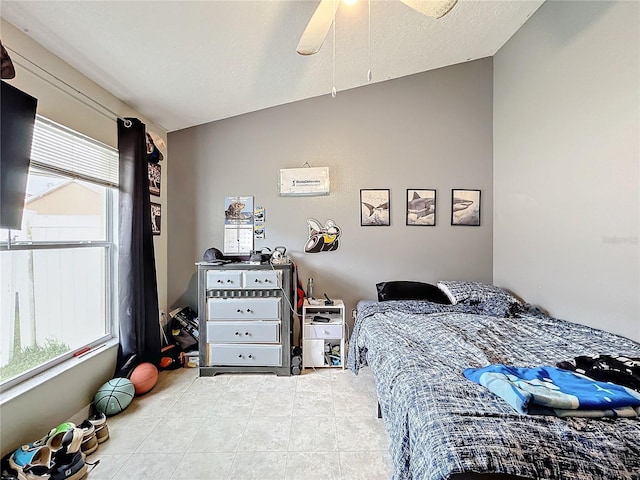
<point x="553" y="391"/>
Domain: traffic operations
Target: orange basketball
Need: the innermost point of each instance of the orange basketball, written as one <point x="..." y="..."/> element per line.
<point x="144" y="377"/>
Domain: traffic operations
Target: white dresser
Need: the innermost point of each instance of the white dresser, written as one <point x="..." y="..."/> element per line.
<point x="245" y="313"/>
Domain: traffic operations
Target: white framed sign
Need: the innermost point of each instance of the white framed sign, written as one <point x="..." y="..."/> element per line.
<point x="306" y="181"/>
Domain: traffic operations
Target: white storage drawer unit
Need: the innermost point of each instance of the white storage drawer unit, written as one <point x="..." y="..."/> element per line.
<point x="257" y="355"/>
<point x="262" y="279"/>
<point x="225" y="280"/>
<point x="313" y="353"/>
<point x="244" y="332"/>
<point x="244" y="315"/>
<point x="243" y="308"/>
<point x="323" y="331"/>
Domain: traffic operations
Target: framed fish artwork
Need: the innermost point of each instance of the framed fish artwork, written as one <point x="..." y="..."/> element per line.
<point x="374" y="207"/>
<point x="421" y="207"/>
<point x="465" y="207"/>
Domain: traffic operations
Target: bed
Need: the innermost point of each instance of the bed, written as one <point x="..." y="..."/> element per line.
<point x="442" y="426"/>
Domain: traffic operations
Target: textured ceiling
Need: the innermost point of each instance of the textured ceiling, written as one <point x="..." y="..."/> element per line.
<point x="184" y="63"/>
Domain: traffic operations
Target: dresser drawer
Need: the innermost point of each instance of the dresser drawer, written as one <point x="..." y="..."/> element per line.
<point x="262" y="279"/>
<point x="323" y="331"/>
<point x="245" y="355"/>
<point x="243" y="332"/>
<point x="243" y="308"/>
<point x="218" y="279"/>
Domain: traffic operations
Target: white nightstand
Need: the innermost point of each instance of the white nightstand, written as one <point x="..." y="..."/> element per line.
<point x="323" y="343"/>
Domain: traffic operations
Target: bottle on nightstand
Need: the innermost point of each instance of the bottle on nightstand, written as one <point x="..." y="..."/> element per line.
<point x="310" y="288"/>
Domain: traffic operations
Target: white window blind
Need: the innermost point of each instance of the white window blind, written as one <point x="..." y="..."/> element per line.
<point x="59" y="149"/>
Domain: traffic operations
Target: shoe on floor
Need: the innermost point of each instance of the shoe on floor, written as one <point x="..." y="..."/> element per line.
<point x="66" y="437"/>
<point x="68" y="466"/>
<point x="89" y="439"/>
<point x="69" y="443"/>
<point x="31" y="463"/>
<point x="99" y="421"/>
<point x="54" y="438"/>
<point x="7" y="473"/>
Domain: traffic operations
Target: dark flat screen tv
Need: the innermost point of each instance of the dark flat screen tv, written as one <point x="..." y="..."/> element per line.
<point x="17" y="118"/>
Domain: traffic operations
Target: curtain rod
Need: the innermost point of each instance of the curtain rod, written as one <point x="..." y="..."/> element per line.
<point x="113" y="115"/>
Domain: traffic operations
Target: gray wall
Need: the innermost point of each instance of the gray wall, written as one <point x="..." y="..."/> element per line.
<point x="566" y="163"/>
<point x="431" y="130"/>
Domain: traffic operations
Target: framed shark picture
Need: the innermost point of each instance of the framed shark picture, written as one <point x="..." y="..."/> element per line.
<point x="465" y="207"/>
<point x="374" y="207"/>
<point x="421" y="207"/>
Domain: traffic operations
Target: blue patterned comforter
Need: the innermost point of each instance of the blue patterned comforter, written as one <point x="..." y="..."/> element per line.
<point x="440" y="423"/>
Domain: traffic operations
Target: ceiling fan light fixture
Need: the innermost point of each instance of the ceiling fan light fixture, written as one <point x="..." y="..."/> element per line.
<point x="318" y="27"/>
<point x="435" y="8"/>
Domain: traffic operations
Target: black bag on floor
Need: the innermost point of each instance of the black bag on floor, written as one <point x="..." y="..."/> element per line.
<point x="184" y="328"/>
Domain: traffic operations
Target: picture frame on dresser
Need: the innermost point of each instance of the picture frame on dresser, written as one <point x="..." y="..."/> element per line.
<point x="421" y="207"/>
<point x="465" y="207"/>
<point x="374" y="207"/>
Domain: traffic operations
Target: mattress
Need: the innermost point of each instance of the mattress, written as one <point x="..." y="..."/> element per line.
<point x="442" y="426"/>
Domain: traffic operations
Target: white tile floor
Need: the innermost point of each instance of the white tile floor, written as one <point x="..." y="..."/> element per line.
<point x="318" y="425"/>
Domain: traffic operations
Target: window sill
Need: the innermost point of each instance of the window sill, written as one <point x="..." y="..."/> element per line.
<point x="10" y="393"/>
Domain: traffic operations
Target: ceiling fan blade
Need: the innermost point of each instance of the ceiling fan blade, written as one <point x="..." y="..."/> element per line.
<point x="434" y="8"/>
<point x="314" y="35"/>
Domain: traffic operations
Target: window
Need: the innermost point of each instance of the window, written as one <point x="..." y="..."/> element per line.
<point x="57" y="274"/>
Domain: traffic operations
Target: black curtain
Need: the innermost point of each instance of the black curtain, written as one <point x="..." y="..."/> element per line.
<point x="138" y="287"/>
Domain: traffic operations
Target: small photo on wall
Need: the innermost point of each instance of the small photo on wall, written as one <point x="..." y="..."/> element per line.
<point x="421" y="207"/>
<point x="465" y="207"/>
<point x="374" y="207"/>
<point x="156" y="216"/>
<point x="154" y="179"/>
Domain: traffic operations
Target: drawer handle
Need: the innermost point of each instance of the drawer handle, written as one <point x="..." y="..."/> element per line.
<point x="228" y="280"/>
<point x="257" y="281"/>
<point x="249" y="310"/>
<point x="237" y="333"/>
<point x="247" y="333"/>
<point x="250" y="356"/>
<point x="240" y="356"/>
<point x="239" y="311"/>
<point x="219" y="281"/>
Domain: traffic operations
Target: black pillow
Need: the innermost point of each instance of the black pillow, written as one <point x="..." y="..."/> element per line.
<point x="407" y="290"/>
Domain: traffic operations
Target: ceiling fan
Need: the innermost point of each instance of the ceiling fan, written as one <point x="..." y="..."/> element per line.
<point x="318" y="27"/>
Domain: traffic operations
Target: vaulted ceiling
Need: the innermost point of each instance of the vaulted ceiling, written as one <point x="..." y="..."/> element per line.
<point x="184" y="63"/>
